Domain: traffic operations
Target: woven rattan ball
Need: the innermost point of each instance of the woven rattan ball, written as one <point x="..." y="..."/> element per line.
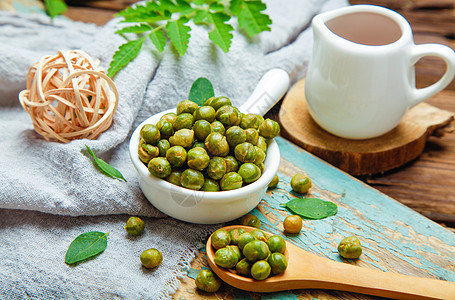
<point x="69" y="97"/>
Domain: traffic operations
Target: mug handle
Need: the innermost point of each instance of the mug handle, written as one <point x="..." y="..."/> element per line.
<point x="445" y="53"/>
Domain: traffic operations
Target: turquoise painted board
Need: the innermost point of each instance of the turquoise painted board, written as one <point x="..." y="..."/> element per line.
<point x="394" y="237"/>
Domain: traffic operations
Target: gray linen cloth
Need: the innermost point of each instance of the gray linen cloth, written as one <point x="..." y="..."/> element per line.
<point x="51" y="192"/>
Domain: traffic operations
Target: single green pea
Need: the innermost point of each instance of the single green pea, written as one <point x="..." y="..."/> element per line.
<point x="350" y="247"/>
<point x="151" y="258"/>
<point x="146" y="152"/>
<point x="274" y="183"/>
<point x="235" y="234"/>
<point x="202" y="128"/>
<point x="159" y="167"/>
<point x="258" y="235"/>
<point x="244" y="239"/>
<point x="204" y="113"/>
<point x="251" y="220"/>
<point x="192" y="179"/>
<point x="228" y="115"/>
<point x="250" y="121"/>
<point x="252" y="136"/>
<point x="261" y="167"/>
<point x="150" y="134"/>
<point x="207" y="281"/>
<point x="249" y="172"/>
<point x="255" y="250"/>
<point x="183" y="137"/>
<point x="184" y="121"/>
<point x="220" y="239"/>
<point x="174" y="177"/>
<point x="235" y="135"/>
<point x="278" y="262"/>
<point x="243" y="267"/>
<point x="217" y="102"/>
<point x="210" y="185"/>
<point x="262" y="144"/>
<point x="186" y="106"/>
<point x="260" y="270"/>
<point x="300" y="183"/>
<point x="269" y="129"/>
<point x="169" y="117"/>
<point x="166" y="128"/>
<point x="232" y="165"/>
<point x="226" y="257"/>
<point x="163" y="146"/>
<point x="217" y="126"/>
<point x="237" y="251"/>
<point x="198" y="158"/>
<point x="216" y="168"/>
<point x="231" y="181"/>
<point x="276" y="244"/>
<point x="245" y="152"/>
<point x="260" y="155"/>
<point x="177" y="156"/>
<point x="134" y="226"/>
<point x="216" y="144"/>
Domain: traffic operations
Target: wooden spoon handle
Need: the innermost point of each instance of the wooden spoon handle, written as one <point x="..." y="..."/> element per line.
<point x="345" y="277"/>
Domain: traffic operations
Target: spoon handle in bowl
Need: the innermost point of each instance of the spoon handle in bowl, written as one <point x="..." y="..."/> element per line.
<point x="268" y="91"/>
<point x="317" y="272"/>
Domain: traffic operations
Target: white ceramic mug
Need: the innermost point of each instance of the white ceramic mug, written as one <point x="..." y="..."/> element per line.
<point x="361" y="78"/>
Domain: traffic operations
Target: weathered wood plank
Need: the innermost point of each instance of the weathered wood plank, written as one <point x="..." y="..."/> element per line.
<point x="394" y="237"/>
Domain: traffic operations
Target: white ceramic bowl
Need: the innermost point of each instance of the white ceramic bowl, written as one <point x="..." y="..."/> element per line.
<point x="214" y="207"/>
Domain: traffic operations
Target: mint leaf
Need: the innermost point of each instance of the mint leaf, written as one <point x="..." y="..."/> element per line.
<point x="159" y="39"/>
<point x="221" y="34"/>
<point x="85" y="246"/>
<point x="252" y="19"/>
<point x="135" y="29"/>
<point x="55" y="7"/>
<point x="125" y="53"/>
<point x="105" y="167"/>
<point x="201" y="90"/>
<point x="312" y="208"/>
<point x="177" y="32"/>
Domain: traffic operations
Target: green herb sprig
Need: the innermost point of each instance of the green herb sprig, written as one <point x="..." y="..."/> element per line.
<point x="105" y="167"/>
<point x="163" y="20"/>
<point x="85" y="246"/>
<point x="311" y="208"/>
<point x="55" y="7"/>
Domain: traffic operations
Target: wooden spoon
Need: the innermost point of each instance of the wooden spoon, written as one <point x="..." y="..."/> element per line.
<point x="309" y="271"/>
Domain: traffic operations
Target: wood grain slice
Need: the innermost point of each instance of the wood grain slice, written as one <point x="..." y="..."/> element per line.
<point x="360" y="157"/>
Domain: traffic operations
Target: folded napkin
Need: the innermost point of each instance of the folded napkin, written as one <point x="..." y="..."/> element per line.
<point x="51" y="192"/>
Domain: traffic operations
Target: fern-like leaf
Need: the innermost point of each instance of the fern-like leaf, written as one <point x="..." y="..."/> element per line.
<point x="221" y="34"/>
<point x="179" y="35"/>
<point x="159" y="39"/>
<point x="252" y="19"/>
<point x="141" y="28"/>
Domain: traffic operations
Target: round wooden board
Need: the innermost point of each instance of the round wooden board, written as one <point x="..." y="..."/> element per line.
<point x="360" y="157"/>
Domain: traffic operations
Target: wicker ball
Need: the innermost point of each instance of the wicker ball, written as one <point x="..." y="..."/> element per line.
<point x="69" y="97"/>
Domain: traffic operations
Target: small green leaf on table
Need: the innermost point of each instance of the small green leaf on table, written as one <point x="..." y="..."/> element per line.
<point x="201" y="90"/>
<point x="105" y="167"/>
<point x="85" y="246"/>
<point x="55" y="7"/>
<point x="312" y="208"/>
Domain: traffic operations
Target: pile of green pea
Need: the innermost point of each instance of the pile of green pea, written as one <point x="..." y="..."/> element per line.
<point x="210" y="147"/>
<point x="251" y="254"/>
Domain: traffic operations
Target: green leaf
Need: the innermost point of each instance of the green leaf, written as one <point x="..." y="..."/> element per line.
<point x="201" y="90"/>
<point x="159" y="39"/>
<point x="55" y="7"/>
<point x="199" y="2"/>
<point x="221" y="34"/>
<point x="201" y="17"/>
<point x="235" y="7"/>
<point x="105" y="167"/>
<point x="85" y="246"/>
<point x="135" y="29"/>
<point x="177" y="32"/>
<point x="312" y="208"/>
<point x="217" y="7"/>
<point x="125" y="53"/>
<point x="252" y="19"/>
